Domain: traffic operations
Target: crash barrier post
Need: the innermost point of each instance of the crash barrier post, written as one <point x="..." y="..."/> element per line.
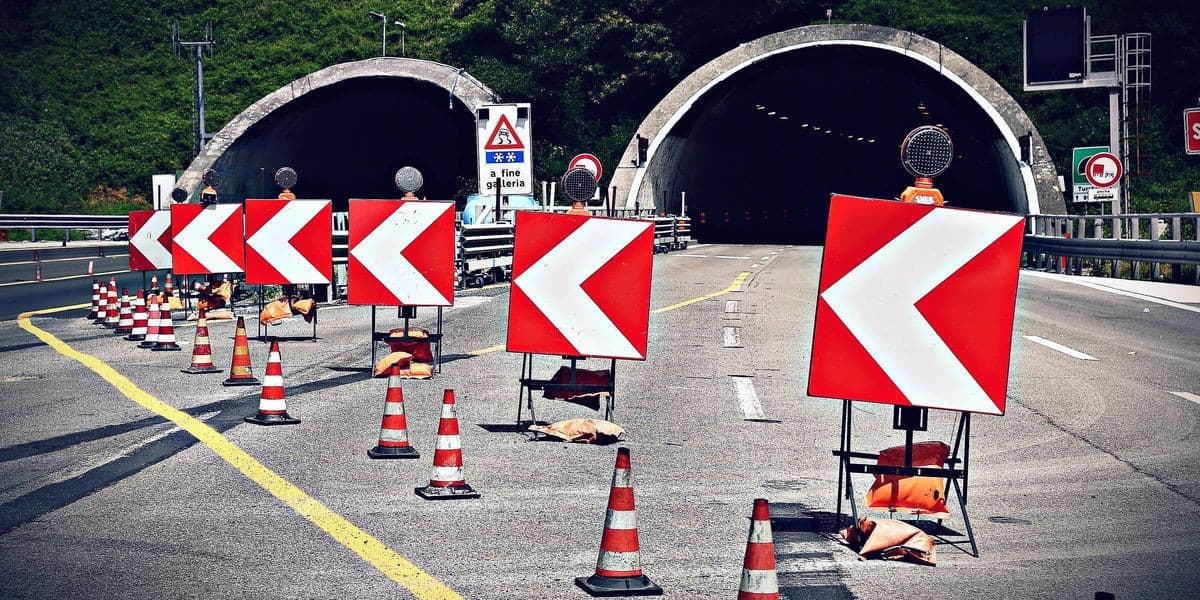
<point x="566" y="383"/>
<point x="908" y="419"/>
<point x="407" y="313"/>
<point x="619" y="564"/>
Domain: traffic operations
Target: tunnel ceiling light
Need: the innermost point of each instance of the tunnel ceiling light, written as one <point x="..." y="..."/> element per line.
<point x="771" y="114"/>
<point x="859" y="139"/>
<point x="759" y="107"/>
<point x="783" y="118"/>
<point x="871" y="141"/>
<point x="804" y="124"/>
<point x="828" y="131"/>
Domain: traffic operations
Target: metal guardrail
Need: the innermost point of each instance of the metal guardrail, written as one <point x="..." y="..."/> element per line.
<point x="1137" y="245"/>
<point x="63" y="221"/>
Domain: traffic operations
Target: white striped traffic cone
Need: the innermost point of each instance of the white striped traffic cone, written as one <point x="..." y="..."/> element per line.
<point x="154" y="283"/>
<point x="102" y="306"/>
<point x="447" y="482"/>
<point x="759" y="580"/>
<point x="151" y="322"/>
<point x="138" y="332"/>
<point x="114" y="307"/>
<point x="125" y="317"/>
<point x="619" y="565"/>
<point x="91" y="316"/>
<point x="166" y="329"/>
<point x="201" y="350"/>
<point x="37" y="272"/>
<point x="91" y="271"/>
<point x="393" y="432"/>
<point x="272" y="408"/>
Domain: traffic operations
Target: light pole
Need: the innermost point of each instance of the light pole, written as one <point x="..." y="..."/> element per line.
<point x="382" y="18"/>
<point x="403" y="28"/>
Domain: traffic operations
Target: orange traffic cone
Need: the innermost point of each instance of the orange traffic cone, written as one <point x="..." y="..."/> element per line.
<point x="125" y="317"/>
<point x="272" y="408"/>
<point x="759" y="580"/>
<point x="393" y="433"/>
<point x="102" y="306"/>
<point x="447" y="482"/>
<point x="166" y="329"/>
<point x="138" y="332"/>
<point x="91" y="271"/>
<point x="240" y="372"/>
<point x="170" y="288"/>
<point x="201" y="350"/>
<point x="154" y="283"/>
<point x="91" y="316"/>
<point x="619" y="566"/>
<point x="114" y="307"/>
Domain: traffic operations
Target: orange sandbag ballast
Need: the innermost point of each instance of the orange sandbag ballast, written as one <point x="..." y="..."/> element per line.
<point x="910" y="494"/>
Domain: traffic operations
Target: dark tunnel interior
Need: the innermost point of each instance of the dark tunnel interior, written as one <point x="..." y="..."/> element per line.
<point x="348" y="140"/>
<point x="761" y="152"/>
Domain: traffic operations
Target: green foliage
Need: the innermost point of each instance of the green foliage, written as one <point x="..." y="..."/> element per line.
<point x="92" y="100"/>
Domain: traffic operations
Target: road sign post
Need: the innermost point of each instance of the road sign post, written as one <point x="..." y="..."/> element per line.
<point x="504" y="143"/>
<point x="914" y="308"/>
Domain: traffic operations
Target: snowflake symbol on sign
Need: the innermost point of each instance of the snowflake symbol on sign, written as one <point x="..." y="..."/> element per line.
<point x="510" y="157"/>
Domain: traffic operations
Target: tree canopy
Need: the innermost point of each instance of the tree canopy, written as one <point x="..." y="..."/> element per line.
<point x="93" y="101"/>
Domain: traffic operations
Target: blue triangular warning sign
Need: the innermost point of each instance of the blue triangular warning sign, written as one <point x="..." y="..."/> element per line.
<point x="504" y="137"/>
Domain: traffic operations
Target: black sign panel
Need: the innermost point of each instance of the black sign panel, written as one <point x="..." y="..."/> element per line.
<point x="1055" y="46"/>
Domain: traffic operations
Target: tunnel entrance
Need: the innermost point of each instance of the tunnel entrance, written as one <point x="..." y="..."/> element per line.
<point x="767" y="147"/>
<point x="348" y="140"/>
<point x="759" y="138"/>
<point x="347" y="129"/>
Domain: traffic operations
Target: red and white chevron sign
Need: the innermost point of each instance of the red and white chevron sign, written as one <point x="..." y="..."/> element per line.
<point x="581" y="286"/>
<point x="207" y="239"/>
<point x="149" y="240"/>
<point x="401" y="253"/>
<point x="289" y="241"/>
<point x="915" y="305"/>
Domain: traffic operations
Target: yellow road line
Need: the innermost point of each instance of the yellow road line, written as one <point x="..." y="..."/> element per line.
<point x="390" y="563"/>
<point x="489" y="349"/>
<point x="84" y="276"/>
<point x="50" y="260"/>
<point x="736" y="286"/>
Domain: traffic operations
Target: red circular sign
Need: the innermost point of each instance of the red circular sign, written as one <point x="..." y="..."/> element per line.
<point x="1103" y="170"/>
<point x="589" y="162"/>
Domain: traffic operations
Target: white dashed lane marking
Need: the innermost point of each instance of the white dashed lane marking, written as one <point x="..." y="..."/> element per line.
<point x="1188" y="396"/>
<point x="747" y="397"/>
<point x="1059" y="347"/>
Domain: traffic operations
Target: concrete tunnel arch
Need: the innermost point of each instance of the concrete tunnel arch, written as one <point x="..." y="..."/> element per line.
<point x="346" y="129"/>
<point x="813" y="74"/>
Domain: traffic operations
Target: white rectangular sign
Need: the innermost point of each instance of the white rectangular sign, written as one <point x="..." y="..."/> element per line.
<point x="162" y="186"/>
<point x="504" y="144"/>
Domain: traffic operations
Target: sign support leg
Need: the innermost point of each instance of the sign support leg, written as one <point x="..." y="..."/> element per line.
<point x="372" y="365"/>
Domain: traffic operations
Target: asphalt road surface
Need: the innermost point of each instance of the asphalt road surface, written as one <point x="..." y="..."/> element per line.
<point x="1089" y="483"/>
